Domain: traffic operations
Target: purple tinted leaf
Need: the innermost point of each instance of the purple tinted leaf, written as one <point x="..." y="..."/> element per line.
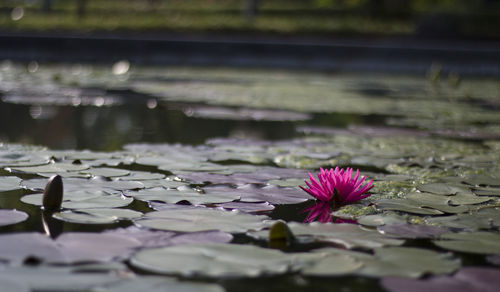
<point x="83" y="246"/>
<point x="8" y="217"/>
<point x="17" y="247"/>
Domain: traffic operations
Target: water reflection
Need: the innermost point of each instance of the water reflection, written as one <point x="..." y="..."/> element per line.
<point x="322" y="212"/>
<point x="110" y="127"/>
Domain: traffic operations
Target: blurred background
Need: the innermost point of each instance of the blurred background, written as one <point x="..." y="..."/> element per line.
<point x="431" y="18"/>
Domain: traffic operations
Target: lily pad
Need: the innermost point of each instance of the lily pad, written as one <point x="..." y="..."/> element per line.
<point x="381" y="219"/>
<point x="443" y="189"/>
<point x="97" y="216"/>
<point x="106" y="172"/>
<point x="9" y="183"/>
<point x="84" y="200"/>
<point x="142" y="175"/>
<point x="347" y="235"/>
<point x="332" y="265"/>
<point x="185" y="219"/>
<point x="410" y="231"/>
<point x="405" y="206"/>
<point x="68" y="248"/>
<point x="92" y="185"/>
<point x="252" y="193"/>
<point x="247" y="207"/>
<point x="157" y="238"/>
<point x="8" y="217"/>
<point x="54" y="279"/>
<point x="175" y="196"/>
<point x="213" y="260"/>
<point x="193" y="219"/>
<point x="51" y="167"/>
<point x="465" y="280"/>
<point x="479" y="242"/>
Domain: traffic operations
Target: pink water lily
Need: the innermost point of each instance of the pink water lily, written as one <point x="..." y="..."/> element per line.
<point x="337" y="187"/>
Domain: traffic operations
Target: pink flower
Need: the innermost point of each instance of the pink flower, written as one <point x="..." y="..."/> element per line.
<point x="337" y="186"/>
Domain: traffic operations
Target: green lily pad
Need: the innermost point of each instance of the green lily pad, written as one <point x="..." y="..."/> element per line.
<point x="482" y="180"/>
<point x="488" y="191"/>
<point x="399" y="261"/>
<point x="142" y="175"/>
<point x="213" y="260"/>
<point x="348" y="235"/>
<point x="106" y="172"/>
<point x="97" y="216"/>
<point x="443" y="189"/>
<point x="486" y="218"/>
<point x="185" y="219"/>
<point x="381" y="219"/>
<point x="332" y="265"/>
<point x="51" y="167"/>
<point x="84" y="200"/>
<point x="8" y="217"/>
<point x="175" y="196"/>
<point x="408" y="262"/>
<point x="479" y="242"/>
<point x="405" y="206"/>
<point x="91" y="185"/>
<point x="9" y="183"/>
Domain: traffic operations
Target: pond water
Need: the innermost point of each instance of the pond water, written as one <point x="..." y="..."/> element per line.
<point x="175" y="178"/>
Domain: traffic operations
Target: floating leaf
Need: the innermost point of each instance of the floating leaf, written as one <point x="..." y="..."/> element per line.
<point x="54" y="279"/>
<point x="84" y="200"/>
<point x="9" y="183"/>
<point x="443" y="189"/>
<point x="185" y="219"/>
<point x="51" y="167"/>
<point x="92" y="185"/>
<point x="68" y="248"/>
<point x="252" y="193"/>
<point x="465" y="280"/>
<point x="332" y="265"/>
<point x="106" y="172"/>
<point x="381" y="219"/>
<point x="175" y="196"/>
<point x="348" y="235"/>
<point x="97" y="216"/>
<point x="8" y="217"/>
<point x="142" y="175"/>
<point x="411" y="231"/>
<point x="213" y="260"/>
<point x="480" y="242"/>
<point x="157" y="238"/>
<point x="405" y="206"/>
<point x="247" y="207"/>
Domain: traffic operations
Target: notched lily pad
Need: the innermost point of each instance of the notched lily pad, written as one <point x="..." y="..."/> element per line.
<point x="213" y="260"/>
<point x="97" y="216"/>
<point x="9" y="183"/>
<point x="195" y="219"/>
<point x="479" y="242"/>
<point x="175" y="196"/>
<point x="84" y="200"/>
<point x="8" y="217"/>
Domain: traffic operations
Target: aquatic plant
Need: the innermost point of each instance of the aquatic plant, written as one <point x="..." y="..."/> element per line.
<point x="334" y="188"/>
